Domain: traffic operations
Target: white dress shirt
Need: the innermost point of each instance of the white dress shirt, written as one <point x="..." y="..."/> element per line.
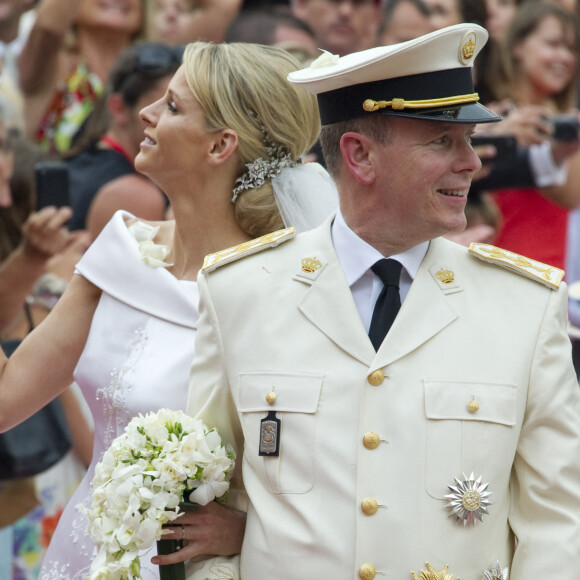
<point x="356" y="258"/>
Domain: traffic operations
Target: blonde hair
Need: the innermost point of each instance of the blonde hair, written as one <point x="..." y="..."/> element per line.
<point x="243" y="87"/>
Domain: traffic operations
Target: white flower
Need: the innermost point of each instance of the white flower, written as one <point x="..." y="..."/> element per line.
<point x="208" y="491"/>
<point x="151" y="253"/>
<point x="143" y="232"/>
<point x="141" y="480"/>
<point x="325" y="59"/>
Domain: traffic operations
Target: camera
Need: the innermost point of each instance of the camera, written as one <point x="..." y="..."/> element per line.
<point x="505" y="145"/>
<point x="52" y="184"/>
<point x="564" y="127"/>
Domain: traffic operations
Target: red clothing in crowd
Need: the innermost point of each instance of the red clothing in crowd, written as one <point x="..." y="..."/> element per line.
<point x="531" y="225"/>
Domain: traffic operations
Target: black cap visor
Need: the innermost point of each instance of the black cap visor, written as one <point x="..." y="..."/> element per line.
<point x="471" y="113"/>
<point x="419" y="91"/>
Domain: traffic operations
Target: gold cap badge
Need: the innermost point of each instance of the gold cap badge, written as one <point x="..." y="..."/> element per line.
<point x="467" y="48"/>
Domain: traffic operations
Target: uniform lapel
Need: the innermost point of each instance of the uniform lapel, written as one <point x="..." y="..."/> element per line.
<point x="328" y="303"/>
<point x="427" y="309"/>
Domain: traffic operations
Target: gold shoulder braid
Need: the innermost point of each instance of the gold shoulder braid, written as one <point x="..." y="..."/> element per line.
<point x="550" y="276"/>
<point x="213" y="261"/>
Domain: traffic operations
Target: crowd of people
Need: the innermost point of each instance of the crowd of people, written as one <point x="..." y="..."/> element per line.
<point x="186" y="127"/>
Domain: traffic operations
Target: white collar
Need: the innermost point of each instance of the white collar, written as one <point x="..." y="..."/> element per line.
<point x="357" y="256"/>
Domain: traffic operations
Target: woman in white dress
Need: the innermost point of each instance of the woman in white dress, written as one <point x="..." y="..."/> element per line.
<point x="229" y="128"/>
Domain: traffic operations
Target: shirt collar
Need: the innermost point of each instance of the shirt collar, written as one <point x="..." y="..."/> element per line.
<point x="357" y="256"/>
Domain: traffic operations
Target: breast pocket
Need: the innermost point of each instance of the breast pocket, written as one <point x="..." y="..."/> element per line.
<point x="470" y="428"/>
<point x="294" y="397"/>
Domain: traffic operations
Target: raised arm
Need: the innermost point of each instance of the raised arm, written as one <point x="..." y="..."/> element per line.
<point x="42" y="366"/>
<point x="566" y="195"/>
<point x="43" y="237"/>
<point x="530" y="126"/>
<point x="211" y="19"/>
<point x="39" y="62"/>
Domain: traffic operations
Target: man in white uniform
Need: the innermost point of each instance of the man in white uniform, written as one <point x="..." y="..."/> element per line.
<point x="449" y="450"/>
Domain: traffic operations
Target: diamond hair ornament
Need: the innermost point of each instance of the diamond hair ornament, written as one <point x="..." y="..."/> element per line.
<point x="468" y="500"/>
<point x="260" y="169"/>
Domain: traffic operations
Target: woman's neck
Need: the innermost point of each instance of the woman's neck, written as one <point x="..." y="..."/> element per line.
<point x="526" y="94"/>
<point x="200" y="231"/>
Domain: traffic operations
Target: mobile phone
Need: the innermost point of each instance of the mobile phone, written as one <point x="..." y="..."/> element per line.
<point x="565" y="127"/>
<point x="505" y="145"/>
<point x="52" y="184"/>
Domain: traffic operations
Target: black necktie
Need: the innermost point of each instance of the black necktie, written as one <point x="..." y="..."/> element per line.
<point x="388" y="302"/>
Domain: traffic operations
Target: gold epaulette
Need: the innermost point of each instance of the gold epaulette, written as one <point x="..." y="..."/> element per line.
<point x="547" y="275"/>
<point x="213" y="261"/>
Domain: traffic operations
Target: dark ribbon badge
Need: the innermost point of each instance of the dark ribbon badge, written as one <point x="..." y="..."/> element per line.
<point x="270" y="435"/>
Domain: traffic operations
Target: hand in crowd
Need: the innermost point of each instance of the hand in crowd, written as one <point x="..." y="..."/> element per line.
<point x="45" y="233"/>
<point x="63" y="264"/>
<point x="531" y="126"/>
<point x="528" y="124"/>
<point x="211" y="529"/>
<point x="486" y="154"/>
<point x="562" y="150"/>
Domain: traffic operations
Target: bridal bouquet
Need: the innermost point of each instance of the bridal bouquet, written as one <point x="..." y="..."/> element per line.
<point x="161" y="459"/>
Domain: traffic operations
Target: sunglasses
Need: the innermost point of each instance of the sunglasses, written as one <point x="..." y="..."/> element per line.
<point x="156" y="58"/>
<point x="151" y="60"/>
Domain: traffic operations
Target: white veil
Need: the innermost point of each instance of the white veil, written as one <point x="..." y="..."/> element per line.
<point x="305" y="194"/>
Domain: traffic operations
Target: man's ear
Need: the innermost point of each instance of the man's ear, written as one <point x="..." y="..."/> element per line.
<point x="356" y="152"/>
<point x="117" y="109"/>
<point x="223" y="146"/>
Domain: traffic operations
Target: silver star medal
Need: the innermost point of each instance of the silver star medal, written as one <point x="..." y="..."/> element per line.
<point x="468" y="500"/>
<point x="496" y="573"/>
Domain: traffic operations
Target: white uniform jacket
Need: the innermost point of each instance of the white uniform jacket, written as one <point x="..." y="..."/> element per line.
<point x="478" y="379"/>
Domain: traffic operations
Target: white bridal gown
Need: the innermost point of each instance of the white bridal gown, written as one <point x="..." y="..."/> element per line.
<point x="137" y="359"/>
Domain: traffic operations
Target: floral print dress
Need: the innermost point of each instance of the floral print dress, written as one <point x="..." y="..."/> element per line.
<point x="71" y="104"/>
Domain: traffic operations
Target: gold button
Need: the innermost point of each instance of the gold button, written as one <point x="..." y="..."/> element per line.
<point x="270" y="398"/>
<point x="376" y="378"/>
<point x="369" y="506"/>
<point x="371" y="440"/>
<point x="367" y="572"/>
<point x="473" y="406"/>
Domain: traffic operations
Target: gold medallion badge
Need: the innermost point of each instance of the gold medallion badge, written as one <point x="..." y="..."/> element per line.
<point x="432" y="574"/>
<point x="468" y="500"/>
